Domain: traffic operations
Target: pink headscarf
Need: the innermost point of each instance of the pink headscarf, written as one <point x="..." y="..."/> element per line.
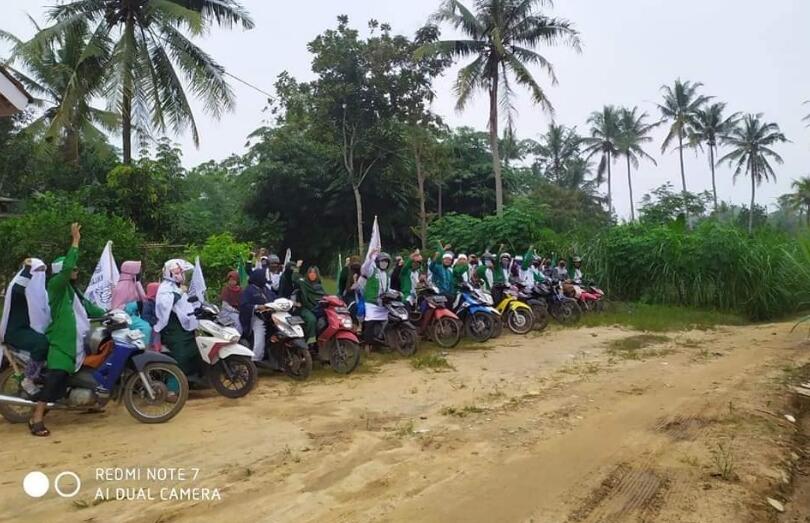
<point x="128" y="287"/>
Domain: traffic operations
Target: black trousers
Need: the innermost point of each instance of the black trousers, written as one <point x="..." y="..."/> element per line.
<point x="55" y="386"/>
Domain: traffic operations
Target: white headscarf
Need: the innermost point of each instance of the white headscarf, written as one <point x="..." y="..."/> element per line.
<point x="165" y="304"/>
<point x="36" y="296"/>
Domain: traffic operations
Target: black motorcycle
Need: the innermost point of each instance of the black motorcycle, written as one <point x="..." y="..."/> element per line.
<point x="395" y="333"/>
<point x="562" y="308"/>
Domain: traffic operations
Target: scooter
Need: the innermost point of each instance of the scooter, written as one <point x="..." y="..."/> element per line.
<point x="151" y="385"/>
<point x="337" y="342"/>
<point x="474" y="307"/>
<point x="397" y="332"/>
<point x="539" y="306"/>
<point x="285" y="346"/>
<point x="434" y="319"/>
<point x="228" y="365"/>
<point x="591" y="298"/>
<point x="517" y="315"/>
<point x="562" y="308"/>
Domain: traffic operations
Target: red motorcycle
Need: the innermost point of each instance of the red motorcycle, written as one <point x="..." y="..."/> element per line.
<point x="435" y="320"/>
<point x="337" y="342"/>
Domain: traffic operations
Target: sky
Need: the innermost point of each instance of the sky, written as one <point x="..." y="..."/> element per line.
<point x="750" y="54"/>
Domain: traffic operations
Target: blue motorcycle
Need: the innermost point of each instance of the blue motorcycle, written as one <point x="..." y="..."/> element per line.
<point x="150" y="384"/>
<point x="474" y="307"/>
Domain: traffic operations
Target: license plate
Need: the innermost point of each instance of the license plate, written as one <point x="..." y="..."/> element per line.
<point x="295" y="320"/>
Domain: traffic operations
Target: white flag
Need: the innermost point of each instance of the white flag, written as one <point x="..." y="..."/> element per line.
<point x="374" y="243"/>
<point x="99" y="290"/>
<point x="197" y="286"/>
<point x="287" y="258"/>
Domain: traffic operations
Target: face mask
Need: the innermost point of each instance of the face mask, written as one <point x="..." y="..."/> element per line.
<point x="178" y="276"/>
<point x="488" y="264"/>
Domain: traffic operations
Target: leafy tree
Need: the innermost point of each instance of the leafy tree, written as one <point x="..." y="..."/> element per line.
<point x="663" y="205"/>
<point x="500" y="37"/>
<point x="751" y="141"/>
<point x="800" y="197"/>
<point x="634" y="132"/>
<point x="144" y="47"/>
<point x="681" y="103"/>
<point x="708" y="125"/>
<point x="65" y="74"/>
<point x="604" y="136"/>
<point x="219" y="255"/>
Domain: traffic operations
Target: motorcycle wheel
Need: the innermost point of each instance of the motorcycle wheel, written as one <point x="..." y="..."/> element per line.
<point x="166" y="406"/>
<point x="497" y="326"/>
<point x="599" y="305"/>
<point x="568" y="312"/>
<point x="297" y="361"/>
<point x="480" y="326"/>
<point x="541" y="317"/>
<point x="242" y="380"/>
<point x="344" y="356"/>
<point x="406" y="344"/>
<point x="519" y="320"/>
<point x="446" y="332"/>
<point x="10" y="386"/>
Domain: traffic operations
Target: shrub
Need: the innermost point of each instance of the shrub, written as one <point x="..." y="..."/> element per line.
<point x="219" y="255"/>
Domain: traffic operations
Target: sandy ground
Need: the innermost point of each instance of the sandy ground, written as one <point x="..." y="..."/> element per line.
<point x="545" y="428"/>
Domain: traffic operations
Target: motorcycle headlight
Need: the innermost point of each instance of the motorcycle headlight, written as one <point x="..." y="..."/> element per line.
<point x="346" y="323"/>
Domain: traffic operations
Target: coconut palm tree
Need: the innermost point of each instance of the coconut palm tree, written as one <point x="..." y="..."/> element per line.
<point x="634" y="132"/>
<point x="557" y="147"/>
<point x="807" y="118"/>
<point x="708" y="126"/>
<point x="604" y="134"/>
<point x="751" y="142"/>
<point x="64" y="79"/>
<point x="681" y="103"/>
<point x="149" y="53"/>
<point x="800" y="198"/>
<point x="501" y="37"/>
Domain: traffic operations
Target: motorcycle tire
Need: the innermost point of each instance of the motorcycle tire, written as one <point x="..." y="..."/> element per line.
<point x="480" y="326"/>
<point x="568" y="312"/>
<point x="446" y="332"/>
<point x="301" y="367"/>
<point x="497" y="326"/>
<point x="244" y="375"/>
<point x="10" y="386"/>
<point x="133" y="387"/>
<point x="520" y="320"/>
<point x="344" y="356"/>
<point x="407" y="341"/>
<point x="541" y="317"/>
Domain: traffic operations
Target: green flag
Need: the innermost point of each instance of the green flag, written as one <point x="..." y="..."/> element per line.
<point x="243" y="275"/>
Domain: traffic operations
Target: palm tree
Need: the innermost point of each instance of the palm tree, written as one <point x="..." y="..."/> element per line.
<point x="604" y="134"/>
<point x="807" y="118"/>
<point x="751" y="141"/>
<point x="634" y="131"/>
<point x="500" y="37"/>
<point x="149" y="52"/>
<point x="800" y="198"/>
<point x="707" y="127"/>
<point x="681" y="103"/>
<point x="64" y="80"/>
<point x="557" y="147"/>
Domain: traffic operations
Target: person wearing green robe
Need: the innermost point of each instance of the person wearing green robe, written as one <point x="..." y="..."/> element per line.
<point x="311" y="291"/>
<point x="461" y="270"/>
<point x="442" y="271"/>
<point x="176" y="324"/>
<point x="70" y="323"/>
<point x="410" y="276"/>
<point x="486" y="272"/>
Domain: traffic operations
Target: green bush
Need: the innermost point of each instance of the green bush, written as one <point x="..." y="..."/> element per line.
<point x="219" y="255"/>
<point x="43" y="231"/>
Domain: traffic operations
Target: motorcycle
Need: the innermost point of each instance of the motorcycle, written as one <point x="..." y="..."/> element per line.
<point x="517" y="314"/>
<point x="562" y="308"/>
<point x="228" y="365"/>
<point x="474" y="307"/>
<point x="396" y="332"/>
<point x="434" y="319"/>
<point x="337" y="342"/>
<point x="150" y="384"/>
<point x="539" y="307"/>
<point x="591" y="298"/>
<point x="285" y="346"/>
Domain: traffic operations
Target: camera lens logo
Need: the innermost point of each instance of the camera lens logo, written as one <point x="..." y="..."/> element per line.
<point x="67" y="484"/>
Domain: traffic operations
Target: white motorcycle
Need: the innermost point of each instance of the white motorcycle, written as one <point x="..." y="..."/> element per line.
<point x="228" y="364"/>
<point x="285" y="346"/>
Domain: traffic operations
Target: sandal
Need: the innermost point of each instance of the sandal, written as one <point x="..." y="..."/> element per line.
<point x="38" y="429"/>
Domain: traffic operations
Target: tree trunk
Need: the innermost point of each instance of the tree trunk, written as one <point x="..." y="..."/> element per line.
<point x="126" y="103"/>
<point x="358" y="202"/>
<point x="683" y="175"/>
<point x="610" y="189"/>
<point x="420" y="181"/>
<point x="439" y="185"/>
<point x="493" y="142"/>
<point x="751" y="210"/>
<point x="70" y="148"/>
<point x="714" y="186"/>
<point x="630" y="185"/>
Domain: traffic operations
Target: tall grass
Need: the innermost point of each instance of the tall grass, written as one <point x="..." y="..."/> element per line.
<point x="714" y="266"/>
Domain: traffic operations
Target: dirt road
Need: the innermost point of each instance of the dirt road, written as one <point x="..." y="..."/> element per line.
<point x="558" y="427"/>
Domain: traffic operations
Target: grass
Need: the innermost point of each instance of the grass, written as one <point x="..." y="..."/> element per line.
<point x="660" y="318"/>
<point x="431" y="360"/>
<point x="462" y="412"/>
<point x="631" y="348"/>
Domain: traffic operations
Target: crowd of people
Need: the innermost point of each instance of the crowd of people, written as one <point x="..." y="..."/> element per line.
<point x="49" y="317"/>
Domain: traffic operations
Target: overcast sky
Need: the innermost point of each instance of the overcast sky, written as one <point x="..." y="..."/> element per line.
<point x="751" y="54"/>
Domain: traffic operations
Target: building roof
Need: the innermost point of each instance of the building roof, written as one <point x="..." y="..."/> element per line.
<point x="13" y="96"/>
